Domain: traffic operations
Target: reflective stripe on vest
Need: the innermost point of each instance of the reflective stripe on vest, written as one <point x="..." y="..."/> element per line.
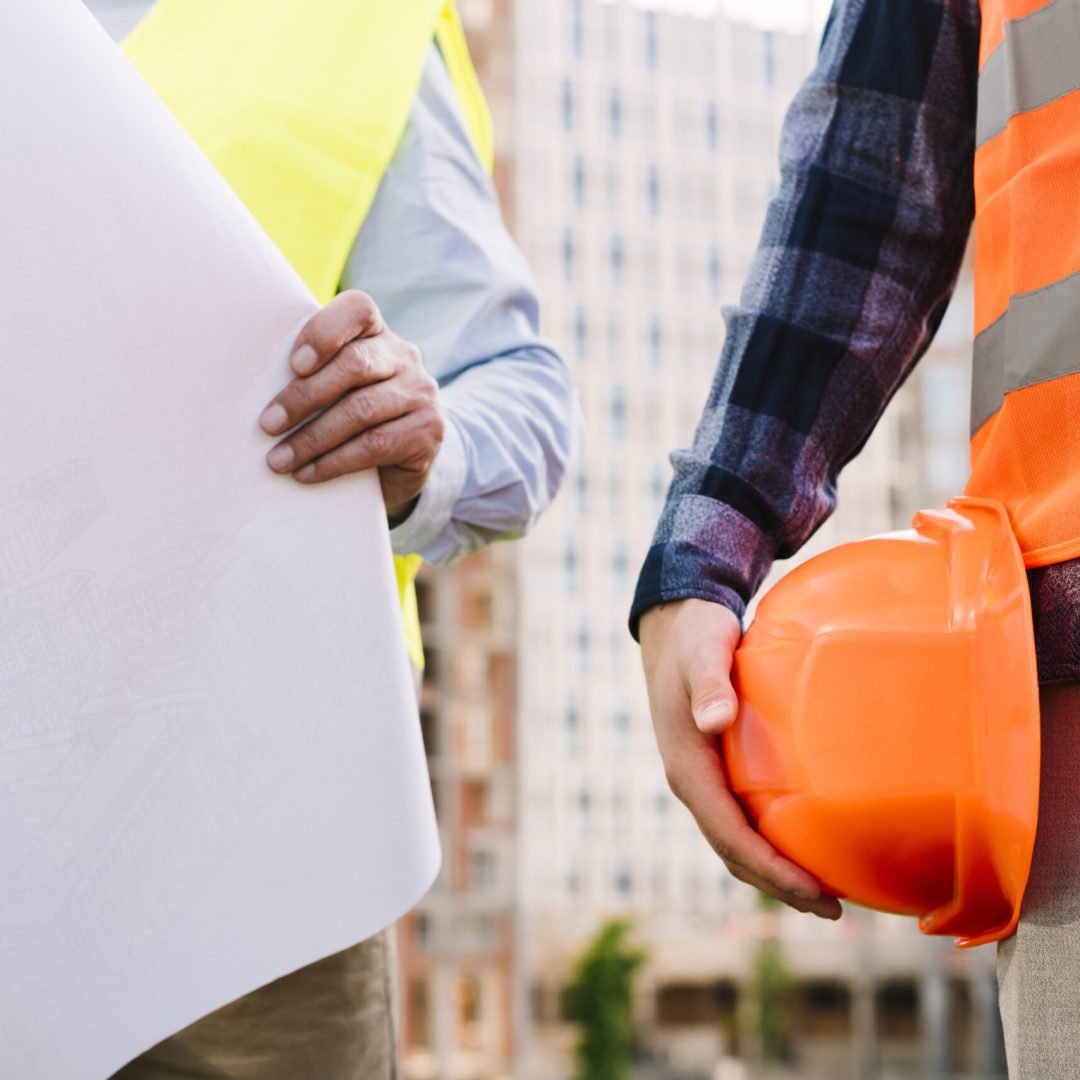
<point x="301" y="107"/>
<point x="1026" y="379"/>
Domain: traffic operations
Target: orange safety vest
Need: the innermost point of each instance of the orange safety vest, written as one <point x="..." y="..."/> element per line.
<point x="1025" y="448"/>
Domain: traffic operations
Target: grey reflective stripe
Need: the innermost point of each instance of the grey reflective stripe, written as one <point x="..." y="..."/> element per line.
<point x="1038" y="62"/>
<point x="1037" y="339"/>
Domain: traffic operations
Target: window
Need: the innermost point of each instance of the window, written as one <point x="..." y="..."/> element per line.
<point x="618" y="411"/>
<point x="581" y="489"/>
<point x="624" y="880"/>
<point x="715" y="273"/>
<point x="655" y="338"/>
<point x="768" y="56"/>
<point x="615" y="112"/>
<point x="657" y="489"/>
<point x="482" y="877"/>
<point x="581" y="333"/>
<point x="898" y="512"/>
<point x="577" y="181"/>
<point x="652" y="40"/>
<point x="567" y="105"/>
<point x="422" y="930"/>
<point x="617" y="259"/>
<point x="712" y="126"/>
<point x="429" y="728"/>
<point x="572" y="725"/>
<point x="577" y="28"/>
<point x="570" y="565"/>
<point x="652" y="191"/>
<point x="620" y="730"/>
<point x="619" y="563"/>
<point x="583" y="642"/>
<point x="568" y="255"/>
<point x="661" y="805"/>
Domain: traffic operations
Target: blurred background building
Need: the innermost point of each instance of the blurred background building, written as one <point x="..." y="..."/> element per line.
<point x="637" y="152"/>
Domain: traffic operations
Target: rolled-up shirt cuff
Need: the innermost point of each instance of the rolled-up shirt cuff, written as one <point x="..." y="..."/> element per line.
<point x="704" y="550"/>
<point x="435" y="508"/>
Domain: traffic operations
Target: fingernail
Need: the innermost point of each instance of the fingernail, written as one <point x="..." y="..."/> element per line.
<point x="304" y="360"/>
<point x="281" y="457"/>
<point x="717" y="713"/>
<point x="801" y="894"/>
<point x="306" y="473"/>
<point x="273" y="419"/>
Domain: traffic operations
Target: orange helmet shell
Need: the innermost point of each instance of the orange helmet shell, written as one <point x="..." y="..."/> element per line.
<point x="888" y="731"/>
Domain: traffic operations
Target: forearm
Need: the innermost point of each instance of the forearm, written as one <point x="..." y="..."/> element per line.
<point x="856" y="265"/>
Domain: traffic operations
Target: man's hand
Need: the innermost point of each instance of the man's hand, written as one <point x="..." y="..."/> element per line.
<point x="687" y="648"/>
<point x="361" y="400"/>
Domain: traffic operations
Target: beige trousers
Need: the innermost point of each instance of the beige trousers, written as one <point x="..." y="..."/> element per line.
<point x="333" y="1020"/>
<point x="1039" y="967"/>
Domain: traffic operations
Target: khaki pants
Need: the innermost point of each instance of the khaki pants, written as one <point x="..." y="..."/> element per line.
<point x="1039" y="967"/>
<point x="333" y="1020"/>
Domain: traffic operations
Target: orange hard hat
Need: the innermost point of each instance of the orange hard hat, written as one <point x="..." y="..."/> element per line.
<point x="888" y="730"/>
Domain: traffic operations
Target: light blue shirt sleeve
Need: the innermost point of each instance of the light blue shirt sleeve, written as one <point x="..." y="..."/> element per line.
<point x="438" y="260"/>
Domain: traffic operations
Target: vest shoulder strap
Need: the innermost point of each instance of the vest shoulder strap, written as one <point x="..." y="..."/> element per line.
<point x="299" y="106"/>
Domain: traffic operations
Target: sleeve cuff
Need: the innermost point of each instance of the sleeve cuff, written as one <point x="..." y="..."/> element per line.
<point x="703" y="550"/>
<point x="432" y="514"/>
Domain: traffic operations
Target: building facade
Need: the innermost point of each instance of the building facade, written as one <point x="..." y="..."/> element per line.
<point x="644" y="151"/>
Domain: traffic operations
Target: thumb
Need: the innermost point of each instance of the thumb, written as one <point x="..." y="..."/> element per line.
<point x="713" y="704"/>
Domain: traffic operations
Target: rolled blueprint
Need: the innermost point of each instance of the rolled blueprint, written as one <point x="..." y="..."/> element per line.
<point x="211" y="771"/>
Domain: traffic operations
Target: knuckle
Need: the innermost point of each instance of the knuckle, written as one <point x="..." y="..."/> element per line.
<point x="413" y="358"/>
<point x="358" y="409"/>
<point x="365" y="313"/>
<point x="377" y="443"/>
<point x="355" y="359"/>
<point x="429" y="388"/>
<point x="359" y="304"/>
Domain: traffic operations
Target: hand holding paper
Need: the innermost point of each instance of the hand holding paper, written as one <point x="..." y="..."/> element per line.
<point x="381" y="406"/>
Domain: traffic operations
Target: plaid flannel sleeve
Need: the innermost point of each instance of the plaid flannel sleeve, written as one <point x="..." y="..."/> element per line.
<point x="856" y="265"/>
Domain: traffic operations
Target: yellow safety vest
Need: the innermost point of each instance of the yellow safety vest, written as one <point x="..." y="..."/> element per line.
<point x="301" y="107"/>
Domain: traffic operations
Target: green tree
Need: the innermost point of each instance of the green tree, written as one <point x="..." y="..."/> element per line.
<point x="599" y="1000"/>
<point x="767" y="1012"/>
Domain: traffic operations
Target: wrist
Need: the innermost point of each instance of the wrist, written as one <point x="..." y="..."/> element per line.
<point x="398" y="515"/>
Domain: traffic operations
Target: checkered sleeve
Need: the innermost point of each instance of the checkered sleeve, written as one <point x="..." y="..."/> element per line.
<point x="855" y="267"/>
